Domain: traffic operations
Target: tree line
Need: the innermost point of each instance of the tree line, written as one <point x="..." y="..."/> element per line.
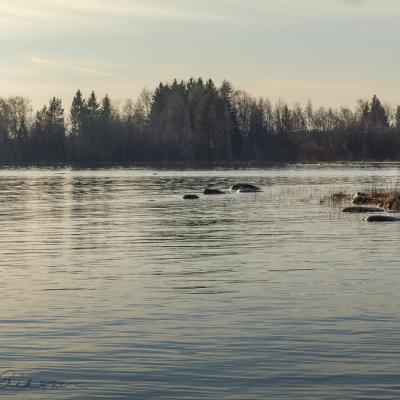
<point x="193" y="122"/>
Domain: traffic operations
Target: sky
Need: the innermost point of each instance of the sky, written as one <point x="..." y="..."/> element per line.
<point x="331" y="52"/>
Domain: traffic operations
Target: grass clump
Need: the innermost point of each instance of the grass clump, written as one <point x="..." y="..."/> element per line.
<point x="387" y="198"/>
<point x="338" y="197"/>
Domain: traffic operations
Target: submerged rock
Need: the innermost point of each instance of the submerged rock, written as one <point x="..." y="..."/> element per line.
<point x="245" y="188"/>
<point x="190" y="197"/>
<point x="381" y="218"/>
<point x="209" y="191"/>
<point x="359" y="209"/>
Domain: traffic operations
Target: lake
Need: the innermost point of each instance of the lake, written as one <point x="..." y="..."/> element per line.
<point x="113" y="286"/>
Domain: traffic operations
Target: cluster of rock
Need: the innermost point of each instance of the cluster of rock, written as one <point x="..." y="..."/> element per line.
<point x="377" y="202"/>
<point x="238" y="188"/>
<point x="387" y="200"/>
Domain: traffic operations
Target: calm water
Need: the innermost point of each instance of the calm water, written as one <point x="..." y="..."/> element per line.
<point x="114" y="287"/>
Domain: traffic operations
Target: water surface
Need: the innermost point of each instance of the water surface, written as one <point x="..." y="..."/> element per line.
<point x="113" y="286"/>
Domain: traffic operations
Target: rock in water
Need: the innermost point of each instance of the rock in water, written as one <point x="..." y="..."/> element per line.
<point x="381" y="218"/>
<point x="209" y="191"/>
<point x="360" y="198"/>
<point x="245" y="188"/>
<point x="358" y="209"/>
<point x="190" y="197"/>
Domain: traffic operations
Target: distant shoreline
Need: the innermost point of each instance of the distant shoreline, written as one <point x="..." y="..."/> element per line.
<point x="194" y="124"/>
<point x="193" y="166"/>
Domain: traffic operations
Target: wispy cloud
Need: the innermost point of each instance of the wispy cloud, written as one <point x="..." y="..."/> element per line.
<point x="123" y="45"/>
<point x="69" y="67"/>
<point x="318" y="8"/>
<point x="355" y="2"/>
<point x="55" y="9"/>
<point x="127" y="9"/>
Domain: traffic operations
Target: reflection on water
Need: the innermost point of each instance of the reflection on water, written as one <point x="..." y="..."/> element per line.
<point x="114" y="287"/>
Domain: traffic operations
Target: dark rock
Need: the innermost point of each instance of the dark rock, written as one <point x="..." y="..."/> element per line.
<point x="190" y="197"/>
<point x="381" y="218"/>
<point x="360" y="198"/>
<point x="244" y="190"/>
<point x="245" y="186"/>
<point x="209" y="191"/>
<point x="359" y="209"/>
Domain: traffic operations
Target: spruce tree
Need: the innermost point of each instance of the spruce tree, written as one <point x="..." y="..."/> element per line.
<point x="77" y="114"/>
<point x="92" y="107"/>
<point x="378" y="116"/>
<point x="106" y="109"/>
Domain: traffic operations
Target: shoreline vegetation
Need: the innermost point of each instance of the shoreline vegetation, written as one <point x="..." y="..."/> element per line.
<point x="369" y="200"/>
<point x="195" y="124"/>
<point x="191" y="166"/>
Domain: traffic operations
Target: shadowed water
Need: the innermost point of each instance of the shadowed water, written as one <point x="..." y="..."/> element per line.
<point x="112" y="286"/>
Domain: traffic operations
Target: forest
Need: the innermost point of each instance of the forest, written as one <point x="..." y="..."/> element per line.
<point x="195" y="122"/>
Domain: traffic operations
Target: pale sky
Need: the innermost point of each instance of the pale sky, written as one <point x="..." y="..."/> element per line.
<point x="329" y="51"/>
